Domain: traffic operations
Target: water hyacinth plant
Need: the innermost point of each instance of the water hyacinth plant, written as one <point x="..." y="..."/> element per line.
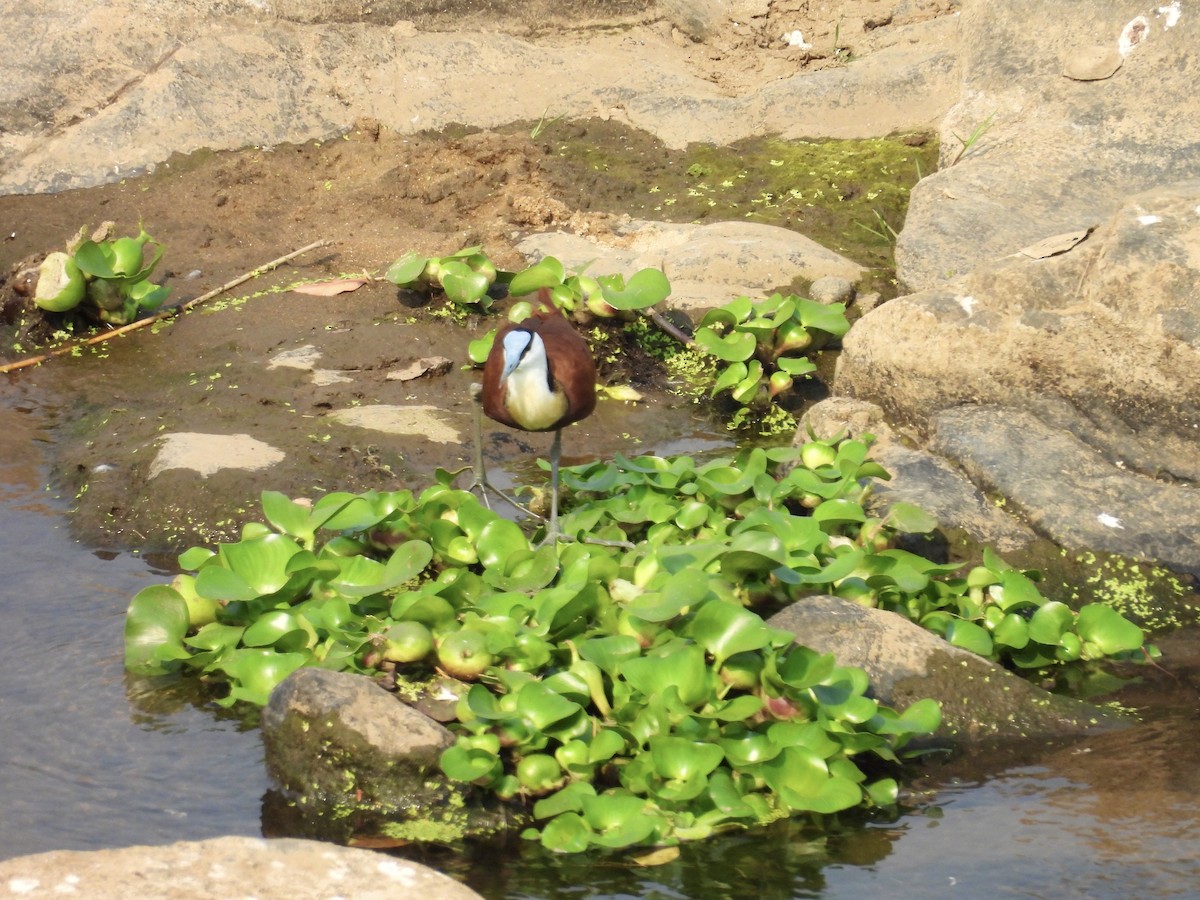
<point x="107" y="279"/>
<point x="763" y="346"/>
<point x="466" y="277"/>
<point x="630" y="694"/>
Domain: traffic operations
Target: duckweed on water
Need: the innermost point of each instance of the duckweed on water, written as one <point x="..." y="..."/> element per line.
<point x="850" y="196"/>
<point x="1156" y="598"/>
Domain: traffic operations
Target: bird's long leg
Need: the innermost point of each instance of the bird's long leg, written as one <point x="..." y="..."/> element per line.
<point x="552" y="532"/>
<point x="555" y="453"/>
<point x="481" y="479"/>
<point x="480" y="471"/>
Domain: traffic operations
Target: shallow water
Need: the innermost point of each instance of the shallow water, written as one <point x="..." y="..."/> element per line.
<point x="1113" y="817"/>
<point x="90" y="759"/>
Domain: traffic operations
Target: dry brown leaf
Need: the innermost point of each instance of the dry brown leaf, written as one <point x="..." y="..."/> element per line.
<point x="377" y="842"/>
<point x="329" y="288"/>
<point x="1092" y="63"/>
<point x="1059" y="243"/>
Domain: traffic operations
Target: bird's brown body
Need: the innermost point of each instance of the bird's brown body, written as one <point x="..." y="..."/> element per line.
<point x="569" y="373"/>
<point x="540" y="376"/>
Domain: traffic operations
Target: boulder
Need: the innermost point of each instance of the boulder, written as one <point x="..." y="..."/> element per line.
<point x="1052" y="153"/>
<point x="1069" y="491"/>
<point x="708" y="265"/>
<point x="905" y="663"/>
<point x="94" y="94"/>
<point x="335" y="738"/>
<point x="227" y="867"/>
<point x="1100" y="343"/>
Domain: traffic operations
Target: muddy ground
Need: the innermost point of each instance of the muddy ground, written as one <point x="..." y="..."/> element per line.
<point x="374" y="194"/>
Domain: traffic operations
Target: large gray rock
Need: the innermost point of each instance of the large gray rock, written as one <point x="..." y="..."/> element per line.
<point x="225" y="867"/>
<point x="92" y="94"/>
<point x="708" y="265"/>
<point x="1070" y="492"/>
<point x="1059" y="153"/>
<point x="905" y="663"/>
<point x="1101" y="342"/>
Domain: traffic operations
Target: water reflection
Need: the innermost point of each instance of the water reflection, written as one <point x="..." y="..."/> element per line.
<point x="88" y="758"/>
<point x="1112" y="817"/>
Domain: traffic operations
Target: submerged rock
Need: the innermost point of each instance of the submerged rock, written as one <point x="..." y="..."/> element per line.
<point x="333" y="739"/>
<point x="708" y="264"/>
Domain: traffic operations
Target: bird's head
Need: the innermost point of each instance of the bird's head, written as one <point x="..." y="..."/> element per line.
<point x="523" y="349"/>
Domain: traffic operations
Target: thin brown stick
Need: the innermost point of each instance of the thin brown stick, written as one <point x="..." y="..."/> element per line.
<point x="668" y="327"/>
<point x="165" y="314"/>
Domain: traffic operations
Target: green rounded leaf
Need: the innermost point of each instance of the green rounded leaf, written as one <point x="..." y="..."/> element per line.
<point x="646" y="288"/>
<point x="1111" y="632"/>
<point x="681" y="670"/>
<point x="910" y="518"/>
<point x="724" y="629"/>
<point x="96" y="259"/>
<point x="1012" y="631"/>
<point x="1016" y="591"/>
<point x="547" y="273"/>
<point x="543" y="707"/>
<point x="796" y="366"/>
<point x="406" y="270"/>
<point x="730" y="376"/>
<point x="254" y="673"/>
<point x="618" y="820"/>
<point x="462" y="284"/>
<point x="463" y="763"/>
<point x="679" y="758"/>
<point x="736" y="347"/>
<point x="884" y="792"/>
<point x="286" y="516"/>
<point x="566" y="833"/>
<point x="828" y="318"/>
<point x="749" y="748"/>
<point x="753" y="554"/>
<point x="499" y="540"/>
<point x="969" y="636"/>
<point x="479" y="349"/>
<point x="610" y="652"/>
<point x="192" y="559"/>
<point x="1048" y="624"/>
<point x="261" y="563"/>
<point x="157" y="618"/>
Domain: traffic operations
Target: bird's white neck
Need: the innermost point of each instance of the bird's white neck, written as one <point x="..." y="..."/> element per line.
<point x="528" y="395"/>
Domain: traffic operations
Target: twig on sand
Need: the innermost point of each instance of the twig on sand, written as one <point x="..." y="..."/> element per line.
<point x="164" y="314"/>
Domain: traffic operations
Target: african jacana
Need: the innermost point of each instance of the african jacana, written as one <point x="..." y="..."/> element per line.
<point x="540" y="376"/>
